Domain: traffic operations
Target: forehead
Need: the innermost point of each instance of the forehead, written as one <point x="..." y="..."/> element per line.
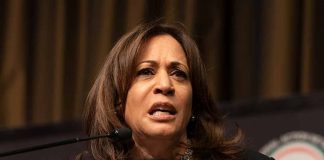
<point x="162" y="47"/>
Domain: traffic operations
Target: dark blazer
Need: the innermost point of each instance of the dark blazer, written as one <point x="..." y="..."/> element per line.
<point x="248" y="155"/>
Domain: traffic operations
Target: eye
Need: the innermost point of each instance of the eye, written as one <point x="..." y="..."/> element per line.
<point x="179" y="74"/>
<point x="145" y="72"/>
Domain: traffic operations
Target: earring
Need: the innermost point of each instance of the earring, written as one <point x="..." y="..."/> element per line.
<point x="193" y="118"/>
<point x="191" y="126"/>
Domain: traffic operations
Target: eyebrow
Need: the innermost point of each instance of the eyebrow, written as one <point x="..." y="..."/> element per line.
<point x="171" y="65"/>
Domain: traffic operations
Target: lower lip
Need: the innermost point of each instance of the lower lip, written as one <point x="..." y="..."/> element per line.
<point x="162" y="118"/>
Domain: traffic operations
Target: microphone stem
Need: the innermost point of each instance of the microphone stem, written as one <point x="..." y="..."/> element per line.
<point x="50" y="145"/>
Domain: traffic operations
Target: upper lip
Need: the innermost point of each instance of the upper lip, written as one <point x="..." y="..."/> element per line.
<point x="162" y="106"/>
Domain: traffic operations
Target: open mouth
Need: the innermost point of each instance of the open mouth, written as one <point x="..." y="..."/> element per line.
<point x="162" y="109"/>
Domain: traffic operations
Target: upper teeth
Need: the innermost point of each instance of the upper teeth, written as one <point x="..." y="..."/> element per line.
<point x="162" y="110"/>
<point x="158" y="112"/>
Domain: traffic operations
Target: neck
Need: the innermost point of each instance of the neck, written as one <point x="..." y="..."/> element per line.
<point x="158" y="148"/>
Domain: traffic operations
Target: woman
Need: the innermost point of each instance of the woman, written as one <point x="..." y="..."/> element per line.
<point x="154" y="83"/>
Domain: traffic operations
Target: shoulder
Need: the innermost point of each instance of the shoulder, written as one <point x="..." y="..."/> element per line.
<point x="254" y="155"/>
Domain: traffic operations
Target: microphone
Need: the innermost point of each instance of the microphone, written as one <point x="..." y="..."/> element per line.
<point x="115" y="135"/>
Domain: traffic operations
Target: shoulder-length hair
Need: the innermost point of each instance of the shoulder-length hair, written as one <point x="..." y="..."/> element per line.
<point x="106" y="100"/>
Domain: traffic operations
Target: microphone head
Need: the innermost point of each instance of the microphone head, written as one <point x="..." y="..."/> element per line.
<point x="122" y="134"/>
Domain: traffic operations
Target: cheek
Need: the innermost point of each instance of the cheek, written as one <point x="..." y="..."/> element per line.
<point x="186" y="100"/>
<point x="129" y="105"/>
<point x="135" y="98"/>
<point x="187" y="95"/>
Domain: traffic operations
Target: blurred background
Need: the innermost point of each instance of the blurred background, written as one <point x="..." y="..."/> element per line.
<point x="265" y="62"/>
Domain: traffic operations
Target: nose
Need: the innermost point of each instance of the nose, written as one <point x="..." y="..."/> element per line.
<point x="164" y="85"/>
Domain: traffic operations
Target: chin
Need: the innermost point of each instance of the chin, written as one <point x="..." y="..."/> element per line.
<point x="162" y="131"/>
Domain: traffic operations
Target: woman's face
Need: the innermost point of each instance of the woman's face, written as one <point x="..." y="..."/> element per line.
<point x="159" y="100"/>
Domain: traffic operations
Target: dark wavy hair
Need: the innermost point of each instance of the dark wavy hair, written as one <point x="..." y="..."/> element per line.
<point x="106" y="100"/>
